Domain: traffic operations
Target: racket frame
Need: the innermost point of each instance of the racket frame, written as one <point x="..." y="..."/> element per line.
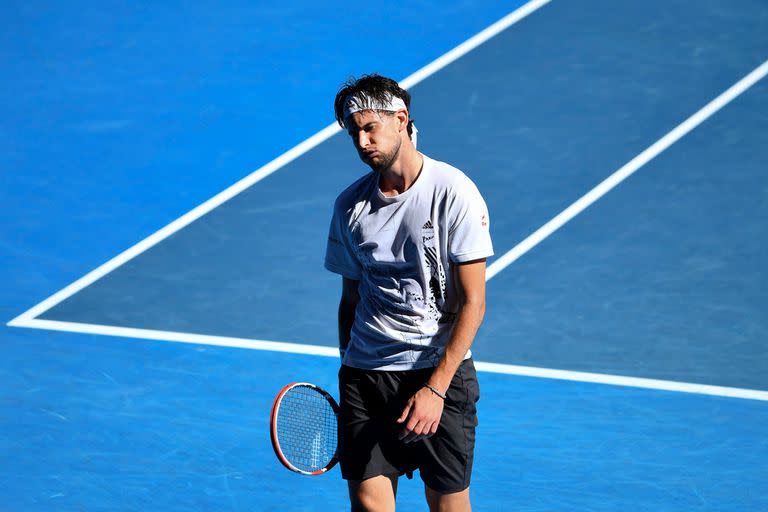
<point x="273" y="428"/>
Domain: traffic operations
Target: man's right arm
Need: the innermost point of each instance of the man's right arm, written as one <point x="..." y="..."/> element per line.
<point x="349" y="299"/>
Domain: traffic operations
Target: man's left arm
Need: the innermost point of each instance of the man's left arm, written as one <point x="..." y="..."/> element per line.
<point x="423" y="411"/>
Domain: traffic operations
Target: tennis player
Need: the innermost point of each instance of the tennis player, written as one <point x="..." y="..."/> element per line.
<point x="410" y="240"/>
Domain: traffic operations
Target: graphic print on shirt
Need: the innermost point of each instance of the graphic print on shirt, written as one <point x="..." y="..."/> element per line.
<point x="387" y="275"/>
<point x="436" y="291"/>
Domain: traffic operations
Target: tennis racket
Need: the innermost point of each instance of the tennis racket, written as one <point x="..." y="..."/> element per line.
<point x="303" y="428"/>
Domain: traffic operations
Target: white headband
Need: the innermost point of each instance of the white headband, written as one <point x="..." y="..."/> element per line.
<point x="361" y="101"/>
<point x="356" y="103"/>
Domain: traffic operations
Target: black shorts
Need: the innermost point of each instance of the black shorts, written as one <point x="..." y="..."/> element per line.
<point x="371" y="401"/>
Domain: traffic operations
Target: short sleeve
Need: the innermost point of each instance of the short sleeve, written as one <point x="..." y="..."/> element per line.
<point x="339" y="258"/>
<point x="469" y="236"/>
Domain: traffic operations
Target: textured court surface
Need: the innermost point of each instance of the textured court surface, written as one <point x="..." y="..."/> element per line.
<point x="119" y="119"/>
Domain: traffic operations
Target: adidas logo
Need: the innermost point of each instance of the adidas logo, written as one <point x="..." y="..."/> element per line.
<point x="428" y="234"/>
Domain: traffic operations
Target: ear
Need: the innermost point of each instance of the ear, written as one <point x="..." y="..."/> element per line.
<point x="402" y="119"/>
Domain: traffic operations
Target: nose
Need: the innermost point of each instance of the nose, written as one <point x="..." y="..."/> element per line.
<point x="362" y="139"/>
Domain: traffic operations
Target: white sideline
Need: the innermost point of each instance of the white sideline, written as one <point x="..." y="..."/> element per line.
<point x="277" y="346"/>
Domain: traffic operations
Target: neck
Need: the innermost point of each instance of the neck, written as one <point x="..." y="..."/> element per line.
<point x="402" y="174"/>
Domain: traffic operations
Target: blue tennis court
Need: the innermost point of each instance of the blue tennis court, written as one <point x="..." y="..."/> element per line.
<point x="169" y="176"/>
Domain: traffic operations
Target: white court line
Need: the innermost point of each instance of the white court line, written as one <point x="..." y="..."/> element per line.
<point x="268" y="169"/>
<point x="627" y="170"/>
<point x="276" y="346"/>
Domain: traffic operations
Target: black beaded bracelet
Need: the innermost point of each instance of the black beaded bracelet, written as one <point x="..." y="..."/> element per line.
<point x="435" y="391"/>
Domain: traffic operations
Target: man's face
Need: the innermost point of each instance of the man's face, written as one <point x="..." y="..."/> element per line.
<point x="376" y="137"/>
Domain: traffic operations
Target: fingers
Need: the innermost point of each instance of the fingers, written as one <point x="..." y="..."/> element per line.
<point x="406" y="411"/>
<point x="418" y="431"/>
<point x="412" y="437"/>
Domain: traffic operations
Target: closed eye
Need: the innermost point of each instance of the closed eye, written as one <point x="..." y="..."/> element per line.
<point x="366" y="128"/>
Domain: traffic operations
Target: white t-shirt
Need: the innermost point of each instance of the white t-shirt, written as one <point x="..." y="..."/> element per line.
<point x="403" y="249"/>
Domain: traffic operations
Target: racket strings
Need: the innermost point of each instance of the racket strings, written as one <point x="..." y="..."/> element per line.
<point x="306" y="428"/>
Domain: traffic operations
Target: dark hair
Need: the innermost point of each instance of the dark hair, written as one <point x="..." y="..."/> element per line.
<point x="378" y="88"/>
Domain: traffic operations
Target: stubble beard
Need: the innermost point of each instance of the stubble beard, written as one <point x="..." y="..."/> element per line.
<point x="386" y="160"/>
